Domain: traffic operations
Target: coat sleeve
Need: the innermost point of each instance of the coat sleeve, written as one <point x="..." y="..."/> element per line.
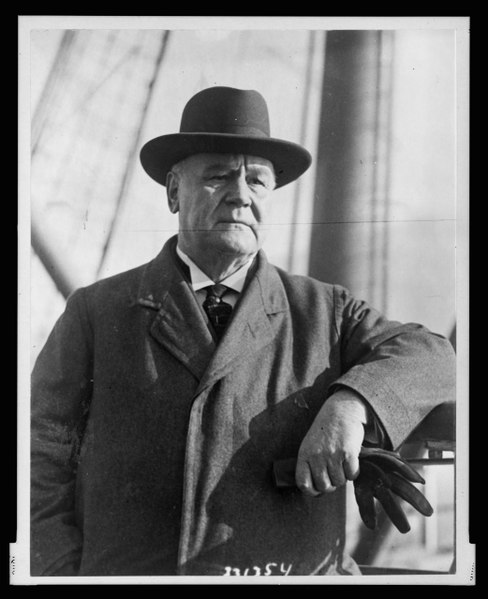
<point x="61" y="391"/>
<point x="401" y="370"/>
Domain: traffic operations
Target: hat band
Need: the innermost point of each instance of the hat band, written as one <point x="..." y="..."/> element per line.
<point x="232" y="130"/>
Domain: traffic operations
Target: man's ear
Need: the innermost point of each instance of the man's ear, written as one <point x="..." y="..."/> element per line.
<point x="172" y="192"/>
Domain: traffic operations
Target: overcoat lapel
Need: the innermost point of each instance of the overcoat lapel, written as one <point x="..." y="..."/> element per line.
<point x="250" y="327"/>
<point x="179" y="325"/>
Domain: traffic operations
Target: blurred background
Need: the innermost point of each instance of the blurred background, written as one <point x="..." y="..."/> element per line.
<point x="376" y="211"/>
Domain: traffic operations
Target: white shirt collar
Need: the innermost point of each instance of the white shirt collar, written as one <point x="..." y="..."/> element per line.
<point x="200" y="280"/>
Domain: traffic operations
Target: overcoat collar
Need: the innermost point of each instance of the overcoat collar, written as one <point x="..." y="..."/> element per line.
<point x="180" y="325"/>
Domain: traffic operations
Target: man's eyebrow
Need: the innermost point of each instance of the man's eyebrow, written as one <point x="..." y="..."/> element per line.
<point x="218" y="166"/>
<point x="260" y="169"/>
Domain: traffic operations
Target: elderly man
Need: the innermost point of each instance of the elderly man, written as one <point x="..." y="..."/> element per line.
<point x="164" y="394"/>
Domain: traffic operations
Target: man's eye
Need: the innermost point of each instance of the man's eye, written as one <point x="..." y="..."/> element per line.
<point x="261" y="182"/>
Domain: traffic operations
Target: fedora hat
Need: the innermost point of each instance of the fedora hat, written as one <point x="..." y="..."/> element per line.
<point x="225" y="120"/>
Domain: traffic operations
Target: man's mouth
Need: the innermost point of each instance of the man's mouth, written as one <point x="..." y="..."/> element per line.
<point x="234" y="223"/>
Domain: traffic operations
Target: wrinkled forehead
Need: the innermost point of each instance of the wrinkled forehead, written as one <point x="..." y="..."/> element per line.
<point x="228" y="161"/>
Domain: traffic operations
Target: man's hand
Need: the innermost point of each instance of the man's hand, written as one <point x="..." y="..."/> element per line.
<point x="328" y="455"/>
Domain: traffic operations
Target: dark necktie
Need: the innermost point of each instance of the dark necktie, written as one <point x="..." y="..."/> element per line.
<point x="217" y="310"/>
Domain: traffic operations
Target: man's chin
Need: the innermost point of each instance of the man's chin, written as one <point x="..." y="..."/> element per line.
<point x="236" y="242"/>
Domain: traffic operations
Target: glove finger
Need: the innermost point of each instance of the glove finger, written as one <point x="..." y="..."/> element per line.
<point x="411" y="494"/>
<point x="368" y="471"/>
<point x="365" y="500"/>
<point x="392" y="508"/>
<point x="391" y="461"/>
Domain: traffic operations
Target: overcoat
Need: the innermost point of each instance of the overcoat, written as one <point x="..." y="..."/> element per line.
<point x="152" y="446"/>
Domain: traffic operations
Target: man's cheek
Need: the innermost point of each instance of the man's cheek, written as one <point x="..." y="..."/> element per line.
<point x="261" y="233"/>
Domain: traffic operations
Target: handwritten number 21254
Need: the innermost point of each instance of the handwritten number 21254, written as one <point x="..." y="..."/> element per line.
<point x="269" y="570"/>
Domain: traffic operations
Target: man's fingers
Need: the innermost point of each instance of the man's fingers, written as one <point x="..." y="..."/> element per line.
<point x="336" y="473"/>
<point x="316" y="477"/>
<point x="303" y="478"/>
<point x="321" y="479"/>
<point x="351" y="467"/>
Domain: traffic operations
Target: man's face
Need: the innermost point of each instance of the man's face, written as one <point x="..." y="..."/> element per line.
<point x="221" y="200"/>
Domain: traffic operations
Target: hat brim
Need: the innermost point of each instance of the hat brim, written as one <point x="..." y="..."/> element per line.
<point x="160" y="154"/>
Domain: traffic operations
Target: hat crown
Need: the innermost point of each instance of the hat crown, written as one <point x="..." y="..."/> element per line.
<point x="226" y="110"/>
<point x="224" y="120"/>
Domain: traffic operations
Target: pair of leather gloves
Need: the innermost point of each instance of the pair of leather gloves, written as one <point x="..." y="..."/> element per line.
<point x="383" y="475"/>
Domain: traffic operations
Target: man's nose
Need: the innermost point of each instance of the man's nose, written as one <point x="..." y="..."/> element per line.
<point x="238" y="191"/>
